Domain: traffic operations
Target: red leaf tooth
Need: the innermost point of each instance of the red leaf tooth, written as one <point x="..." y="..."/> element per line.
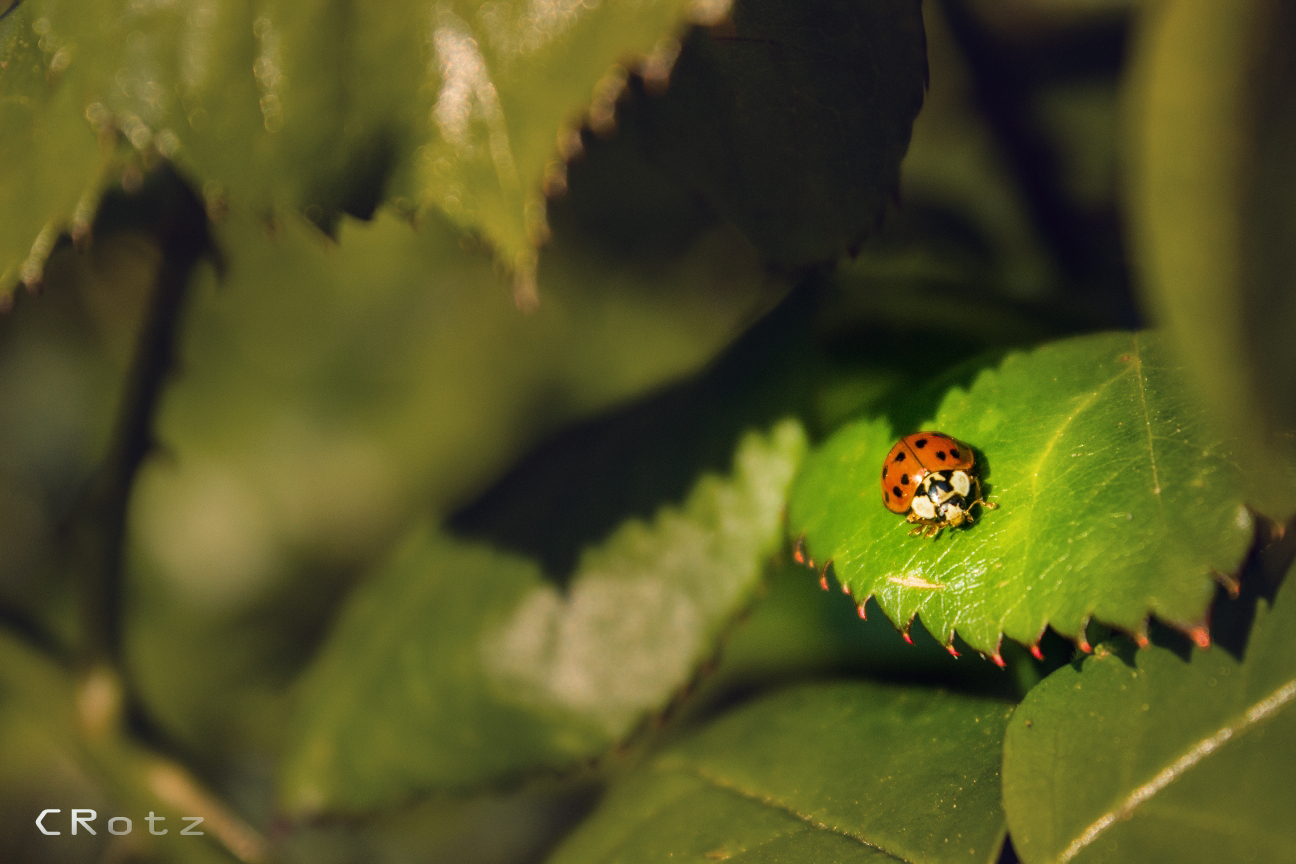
<point x="904" y="632"/>
<point x="996" y="657"/>
<point x="823" y="580"/>
<point x="1036" y="652"/>
<point x="1201" y="636"/>
<point x="1141" y="640"/>
<point x="950" y="648"/>
<point x="1082" y="640"/>
<point x="798" y="550"/>
<point x="863" y="617"/>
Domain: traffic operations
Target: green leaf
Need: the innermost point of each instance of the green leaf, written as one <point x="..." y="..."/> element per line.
<point x="1115" y="501"/>
<point x="318" y="106"/>
<point x="840" y="772"/>
<point x="1162" y="756"/>
<point x="1213" y="206"/>
<point x="456" y="665"/>
<point x="53" y="164"/>
<point x="792" y="120"/>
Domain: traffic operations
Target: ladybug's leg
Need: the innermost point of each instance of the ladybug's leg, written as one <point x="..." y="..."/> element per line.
<point x="920" y="529"/>
<point x="989" y="505"/>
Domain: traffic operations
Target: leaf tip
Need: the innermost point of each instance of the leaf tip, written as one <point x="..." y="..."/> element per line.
<point x="1036" y="652"/>
<point x="1201" y="636"/>
<point x="951" y="649"/>
<point x="1228" y="581"/>
<point x="798" y="550"/>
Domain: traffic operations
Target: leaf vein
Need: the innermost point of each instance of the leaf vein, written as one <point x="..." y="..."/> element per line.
<point x="735" y="789"/>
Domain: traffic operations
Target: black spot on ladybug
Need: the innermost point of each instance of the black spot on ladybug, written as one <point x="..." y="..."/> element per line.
<point x="920" y="443"/>
<point x="886" y="496"/>
<point x="895" y="490"/>
<point x="904" y="479"/>
<point x="940" y="454"/>
<point x="884" y="470"/>
<point x="900" y="456"/>
<point x="954" y="452"/>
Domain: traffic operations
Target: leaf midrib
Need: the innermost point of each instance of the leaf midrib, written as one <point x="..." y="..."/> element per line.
<point x="1256" y="714"/>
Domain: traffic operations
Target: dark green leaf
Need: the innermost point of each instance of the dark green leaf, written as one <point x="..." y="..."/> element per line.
<point x="843" y="772"/>
<point x="793" y="119"/>
<point x="1214" y="213"/>
<point x="1165" y="756"/>
<point x="1116" y="501"/>
<point x="457" y="665"/>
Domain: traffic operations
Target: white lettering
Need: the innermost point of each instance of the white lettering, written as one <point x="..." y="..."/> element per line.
<point x="119" y="819"/>
<point x="151" y="819"/>
<point x="194" y="822"/>
<point x="40" y="822"/>
<point x="84" y="821"/>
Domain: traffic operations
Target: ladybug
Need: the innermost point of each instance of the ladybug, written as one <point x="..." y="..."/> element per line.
<point x="931" y="478"/>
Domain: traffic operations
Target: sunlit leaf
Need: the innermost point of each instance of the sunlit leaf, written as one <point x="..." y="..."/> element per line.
<point x="316" y="106"/>
<point x="1116" y="500"/>
<point x="458" y="664"/>
<point x="1161" y="755"/>
<point x="1213" y="129"/>
<point x="842" y="772"/>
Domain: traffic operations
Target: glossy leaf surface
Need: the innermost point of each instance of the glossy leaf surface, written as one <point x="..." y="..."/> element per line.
<point x="843" y="772"/>
<point x="1115" y="499"/>
<point x="486" y="670"/>
<point x="1161" y="756"/>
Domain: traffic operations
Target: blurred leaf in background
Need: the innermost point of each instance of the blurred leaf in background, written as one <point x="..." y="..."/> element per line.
<point x="488" y="671"/>
<point x="798" y="777"/>
<point x="1212" y="129"/>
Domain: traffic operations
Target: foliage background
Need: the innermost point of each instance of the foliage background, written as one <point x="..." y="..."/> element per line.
<point x="392" y="477"/>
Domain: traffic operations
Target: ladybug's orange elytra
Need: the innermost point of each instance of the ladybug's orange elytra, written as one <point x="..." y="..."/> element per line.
<point x="931" y="478"/>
